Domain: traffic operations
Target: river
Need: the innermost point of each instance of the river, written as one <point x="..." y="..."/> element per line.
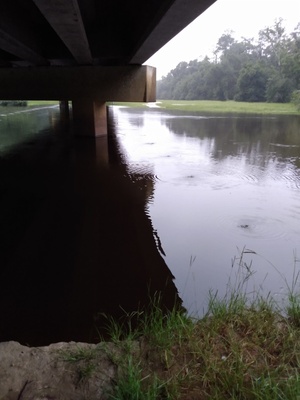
<point x="225" y="186"/>
<point x="167" y="203"/>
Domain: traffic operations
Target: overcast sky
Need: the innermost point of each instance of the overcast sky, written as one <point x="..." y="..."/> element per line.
<point x="244" y="17"/>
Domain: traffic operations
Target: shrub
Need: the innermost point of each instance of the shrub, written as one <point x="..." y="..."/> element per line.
<point x="295" y="99"/>
<point x="14" y="103"/>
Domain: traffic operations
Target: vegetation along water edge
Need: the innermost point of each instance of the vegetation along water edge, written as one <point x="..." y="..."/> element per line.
<point x="205" y="106"/>
<point x="246" y="346"/>
<point x="222" y="107"/>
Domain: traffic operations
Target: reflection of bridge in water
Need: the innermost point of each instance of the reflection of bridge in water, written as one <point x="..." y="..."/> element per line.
<point x="75" y="240"/>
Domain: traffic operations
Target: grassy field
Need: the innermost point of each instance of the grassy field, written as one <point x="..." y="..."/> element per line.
<point x="42" y="102"/>
<point x="209" y="106"/>
<point x="205" y="106"/>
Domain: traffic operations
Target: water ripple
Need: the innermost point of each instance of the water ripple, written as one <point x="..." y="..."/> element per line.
<point x="257" y="227"/>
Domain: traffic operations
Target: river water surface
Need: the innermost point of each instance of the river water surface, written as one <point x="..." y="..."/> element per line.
<point x="223" y="184"/>
<point x="167" y="204"/>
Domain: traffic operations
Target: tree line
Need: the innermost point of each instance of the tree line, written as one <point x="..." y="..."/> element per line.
<point x="263" y="70"/>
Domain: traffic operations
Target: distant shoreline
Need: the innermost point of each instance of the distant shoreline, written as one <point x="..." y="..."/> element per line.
<point x="211" y="106"/>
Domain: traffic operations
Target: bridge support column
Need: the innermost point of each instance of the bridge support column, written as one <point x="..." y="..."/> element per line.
<point x="89" y="117"/>
<point x="64" y="109"/>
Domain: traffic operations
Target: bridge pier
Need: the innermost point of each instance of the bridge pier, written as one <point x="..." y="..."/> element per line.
<point x="64" y="109"/>
<point x="89" y="117"/>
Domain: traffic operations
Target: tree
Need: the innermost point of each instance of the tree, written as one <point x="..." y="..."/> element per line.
<point x="272" y="42"/>
<point x="252" y="83"/>
<point x="224" y="43"/>
<point x="267" y="70"/>
<point x="295" y="99"/>
<point x="291" y="61"/>
<point x="278" y="89"/>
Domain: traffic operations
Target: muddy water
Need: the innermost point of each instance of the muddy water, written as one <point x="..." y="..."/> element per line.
<point x="223" y="184"/>
<point x="167" y="203"/>
<point x="75" y="239"/>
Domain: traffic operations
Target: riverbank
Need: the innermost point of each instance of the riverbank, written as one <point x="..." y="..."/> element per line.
<point x="42" y="102"/>
<point x="206" y="106"/>
<point x="238" y="350"/>
<point x="210" y="106"/>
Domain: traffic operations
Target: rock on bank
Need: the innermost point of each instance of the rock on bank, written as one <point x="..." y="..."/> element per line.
<point x="43" y="373"/>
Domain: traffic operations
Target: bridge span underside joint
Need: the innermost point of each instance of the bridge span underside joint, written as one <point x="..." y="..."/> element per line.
<point x="87" y="87"/>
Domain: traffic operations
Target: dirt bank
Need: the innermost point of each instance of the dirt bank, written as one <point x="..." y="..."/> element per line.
<point x="46" y="373"/>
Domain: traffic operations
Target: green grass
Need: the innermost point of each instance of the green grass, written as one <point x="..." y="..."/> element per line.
<point x="209" y="106"/>
<point x="42" y="102"/>
<point x="131" y="383"/>
<point x="206" y="106"/>
<point x="245" y="347"/>
<point x="250" y="354"/>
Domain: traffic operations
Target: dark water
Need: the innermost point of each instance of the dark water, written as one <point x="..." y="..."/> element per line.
<point x="75" y="239"/>
<point x="162" y="205"/>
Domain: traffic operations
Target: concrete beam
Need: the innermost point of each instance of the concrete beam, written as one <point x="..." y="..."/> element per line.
<point x="65" y="18"/>
<point x="14" y="46"/>
<point x="126" y="83"/>
<point x="167" y="24"/>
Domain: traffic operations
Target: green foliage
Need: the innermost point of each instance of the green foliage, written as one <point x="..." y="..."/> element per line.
<point x="13" y="103"/>
<point x="131" y="383"/>
<point x="266" y="70"/>
<point x="278" y="89"/>
<point x="252" y="83"/>
<point x="295" y="99"/>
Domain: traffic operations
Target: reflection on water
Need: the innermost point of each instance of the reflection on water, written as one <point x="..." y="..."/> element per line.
<point x="20" y="124"/>
<point x="90" y="226"/>
<point x="75" y="239"/>
<point x="222" y="183"/>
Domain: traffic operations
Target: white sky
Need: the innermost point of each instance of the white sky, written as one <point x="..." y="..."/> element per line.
<point x="244" y="17"/>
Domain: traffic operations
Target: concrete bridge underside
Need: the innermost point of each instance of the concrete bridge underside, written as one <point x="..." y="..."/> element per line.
<point x="86" y="51"/>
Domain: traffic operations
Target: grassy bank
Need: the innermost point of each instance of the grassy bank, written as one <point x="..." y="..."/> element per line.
<point x="208" y="106"/>
<point x="237" y="351"/>
<point x="42" y="102"/>
<point x="245" y="347"/>
<point x="205" y="106"/>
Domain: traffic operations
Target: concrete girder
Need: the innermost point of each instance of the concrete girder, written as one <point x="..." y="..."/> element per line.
<point x="65" y="18"/>
<point x="17" y="38"/>
<point x="126" y="83"/>
<point x="19" y="49"/>
<point x="166" y="25"/>
<point x="90" y="32"/>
